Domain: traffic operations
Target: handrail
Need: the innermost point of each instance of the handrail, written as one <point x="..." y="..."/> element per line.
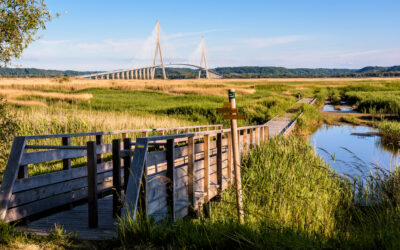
<point x="35" y="137"/>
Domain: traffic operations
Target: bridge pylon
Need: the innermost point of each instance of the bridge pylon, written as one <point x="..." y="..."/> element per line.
<point x="158" y="51"/>
<point x="203" y="58"/>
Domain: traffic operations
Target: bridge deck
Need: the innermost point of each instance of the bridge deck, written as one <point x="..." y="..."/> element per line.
<point x="76" y="220"/>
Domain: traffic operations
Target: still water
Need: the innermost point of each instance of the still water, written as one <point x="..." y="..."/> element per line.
<point x="354" y="155"/>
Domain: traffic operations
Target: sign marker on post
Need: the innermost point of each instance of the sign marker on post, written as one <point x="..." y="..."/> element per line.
<point x="232" y="114"/>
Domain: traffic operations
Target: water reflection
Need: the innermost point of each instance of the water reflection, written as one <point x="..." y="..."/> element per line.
<point x="343" y="108"/>
<point x="350" y="152"/>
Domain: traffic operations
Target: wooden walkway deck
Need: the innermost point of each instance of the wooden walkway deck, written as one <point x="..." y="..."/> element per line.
<point x="278" y="124"/>
<point x="207" y="157"/>
<point x="76" y="220"/>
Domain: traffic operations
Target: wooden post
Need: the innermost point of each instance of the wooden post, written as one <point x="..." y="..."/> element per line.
<point x="219" y="164"/>
<point x="99" y="141"/>
<point x="116" y="152"/>
<point x="206" y="182"/>
<point x="92" y="184"/>
<point x="66" y="141"/>
<point x="191" y="178"/>
<point x="127" y="161"/>
<point x="236" y="160"/>
<point x="229" y="142"/>
<point x="171" y="178"/>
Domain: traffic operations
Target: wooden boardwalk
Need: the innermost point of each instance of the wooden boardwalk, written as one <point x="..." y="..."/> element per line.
<point x="199" y="170"/>
<point x="278" y="124"/>
<point x="76" y="220"/>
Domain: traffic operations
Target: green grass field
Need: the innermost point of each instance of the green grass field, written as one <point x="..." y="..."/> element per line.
<point x="292" y="198"/>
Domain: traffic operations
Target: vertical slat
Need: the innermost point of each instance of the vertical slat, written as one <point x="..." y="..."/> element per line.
<point x="251" y="144"/>
<point x="229" y="159"/>
<point x="66" y="141"/>
<point x="23" y="172"/>
<point x="171" y="177"/>
<point x="190" y="170"/>
<point x="127" y="161"/>
<point x="206" y="167"/>
<point x="116" y="152"/>
<point x="92" y="184"/>
<point x="10" y="174"/>
<point x="245" y="142"/>
<point x="99" y="141"/>
<point x="143" y="193"/>
<point x="219" y="163"/>
<point x="257" y="132"/>
<point x="135" y="178"/>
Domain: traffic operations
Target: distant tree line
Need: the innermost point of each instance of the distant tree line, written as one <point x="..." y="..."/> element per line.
<point x="265" y="72"/>
<point x="227" y="72"/>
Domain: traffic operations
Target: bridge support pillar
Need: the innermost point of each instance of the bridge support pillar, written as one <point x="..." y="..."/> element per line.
<point x="148" y="73"/>
<point x="140" y="74"/>
<point x="107" y="76"/>
<point x="122" y="75"/>
<point x="136" y="74"/>
<point x="131" y="74"/>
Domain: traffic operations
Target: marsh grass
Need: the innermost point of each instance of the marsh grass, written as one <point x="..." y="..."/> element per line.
<point x="292" y="199"/>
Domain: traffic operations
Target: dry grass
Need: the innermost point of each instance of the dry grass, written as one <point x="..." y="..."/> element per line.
<point x="91" y="121"/>
<point x="15" y="95"/>
<point x="203" y="87"/>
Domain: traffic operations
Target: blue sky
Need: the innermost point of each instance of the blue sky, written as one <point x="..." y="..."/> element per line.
<point x="114" y="34"/>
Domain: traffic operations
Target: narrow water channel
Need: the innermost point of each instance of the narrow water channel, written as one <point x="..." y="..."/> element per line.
<point x="349" y="152"/>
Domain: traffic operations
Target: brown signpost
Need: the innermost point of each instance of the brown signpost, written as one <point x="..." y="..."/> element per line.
<point x="232" y="114"/>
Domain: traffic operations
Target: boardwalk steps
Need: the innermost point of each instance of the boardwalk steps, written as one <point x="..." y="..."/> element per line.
<point x="182" y="171"/>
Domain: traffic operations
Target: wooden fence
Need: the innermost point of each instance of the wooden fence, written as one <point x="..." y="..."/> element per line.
<point x="23" y="196"/>
<point x="192" y="169"/>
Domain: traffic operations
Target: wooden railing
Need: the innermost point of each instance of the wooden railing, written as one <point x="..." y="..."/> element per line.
<point x="192" y="169"/>
<point x="22" y="195"/>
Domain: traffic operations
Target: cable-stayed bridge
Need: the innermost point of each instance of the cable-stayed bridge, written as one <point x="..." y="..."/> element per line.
<point x="148" y="72"/>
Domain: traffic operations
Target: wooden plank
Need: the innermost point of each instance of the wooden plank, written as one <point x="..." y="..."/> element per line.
<point x="26" y="210"/>
<point x="233" y="117"/>
<point x="10" y="174"/>
<point x="99" y="141"/>
<point x="53" y="155"/>
<point x="219" y="162"/>
<point x="229" y="157"/>
<point x="93" y="217"/>
<point x="127" y="161"/>
<point x="23" y="172"/>
<point x="56" y="177"/>
<point x="227" y="110"/>
<point x="135" y="177"/>
<point x="190" y="172"/>
<point x="116" y="177"/>
<point x="206" y="168"/>
<point x="171" y="177"/>
<point x="251" y="138"/>
<point x="32" y="195"/>
<point x="66" y="141"/>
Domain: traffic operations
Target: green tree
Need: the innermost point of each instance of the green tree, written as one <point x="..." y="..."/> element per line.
<point x="19" y="22"/>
